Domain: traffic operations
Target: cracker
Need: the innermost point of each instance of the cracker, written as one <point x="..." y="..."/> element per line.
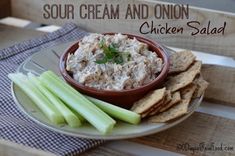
<point x="168" y="96"/>
<point x="180" y="61"/>
<point x="174" y="112"/>
<point x="177" y="110"/>
<point x="148" y="101"/>
<point x="154" y="108"/>
<point x="175" y="99"/>
<point x="166" y="100"/>
<point x="157" y="109"/>
<point x="197" y="65"/>
<point x="201" y="86"/>
<point x="183" y="79"/>
<point x="179" y="81"/>
<point x="187" y="92"/>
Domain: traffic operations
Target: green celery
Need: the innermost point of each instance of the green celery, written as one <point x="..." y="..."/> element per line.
<point x="69" y="116"/>
<point x="37" y="97"/>
<point x="66" y="87"/>
<point x="116" y="112"/>
<point x="112" y="110"/>
<point x="55" y="77"/>
<point x="78" y="102"/>
<point x="82" y="119"/>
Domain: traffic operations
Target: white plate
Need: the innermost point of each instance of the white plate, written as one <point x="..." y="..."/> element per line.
<point x="48" y="59"/>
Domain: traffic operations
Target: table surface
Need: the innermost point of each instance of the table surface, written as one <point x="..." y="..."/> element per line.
<point x="211" y="123"/>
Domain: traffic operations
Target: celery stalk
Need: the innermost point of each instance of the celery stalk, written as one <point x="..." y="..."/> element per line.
<point x="69" y="116"/>
<point x="82" y="119"/>
<point x="55" y="77"/>
<point x="37" y="97"/>
<point x="116" y="112"/>
<point x="68" y="88"/>
<point x="78" y="102"/>
<point x="112" y="110"/>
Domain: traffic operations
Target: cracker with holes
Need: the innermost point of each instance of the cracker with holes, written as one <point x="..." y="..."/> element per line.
<point x="181" y="61"/>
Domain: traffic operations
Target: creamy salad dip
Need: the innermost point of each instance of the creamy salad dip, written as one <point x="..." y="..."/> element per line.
<point x="113" y="62"/>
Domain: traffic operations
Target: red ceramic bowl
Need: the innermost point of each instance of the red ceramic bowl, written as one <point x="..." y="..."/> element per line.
<point x="124" y="98"/>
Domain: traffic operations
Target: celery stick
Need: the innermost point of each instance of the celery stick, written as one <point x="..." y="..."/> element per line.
<point x="116" y="112"/>
<point x="69" y="116"/>
<point x="78" y="102"/>
<point x="101" y="121"/>
<point x="82" y="119"/>
<point x="56" y="78"/>
<point x="37" y="97"/>
<point x="112" y="110"/>
<point x="68" y="88"/>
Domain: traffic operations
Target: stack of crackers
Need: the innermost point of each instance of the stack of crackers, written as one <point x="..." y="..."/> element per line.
<point x="183" y="83"/>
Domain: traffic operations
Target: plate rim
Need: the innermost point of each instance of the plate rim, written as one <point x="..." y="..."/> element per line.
<point x="101" y="136"/>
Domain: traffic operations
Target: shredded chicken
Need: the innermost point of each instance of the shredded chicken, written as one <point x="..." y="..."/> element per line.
<point x="142" y="67"/>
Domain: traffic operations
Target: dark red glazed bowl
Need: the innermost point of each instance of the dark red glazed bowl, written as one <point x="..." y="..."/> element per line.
<point x="124" y="98"/>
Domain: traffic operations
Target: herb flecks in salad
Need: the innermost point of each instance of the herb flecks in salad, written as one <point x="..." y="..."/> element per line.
<point x="111" y="54"/>
<point x="113" y="62"/>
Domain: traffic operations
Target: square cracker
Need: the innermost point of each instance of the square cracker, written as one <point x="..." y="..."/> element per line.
<point x="187" y="92"/>
<point x="177" y="110"/>
<point x="156" y="110"/>
<point x="180" y="61"/>
<point x="183" y="79"/>
<point x="197" y="65"/>
<point x="148" y="101"/>
<point x="175" y="99"/>
<point x="201" y="86"/>
<point x="174" y="112"/>
<point x="168" y="96"/>
<point x="166" y="100"/>
<point x="152" y="109"/>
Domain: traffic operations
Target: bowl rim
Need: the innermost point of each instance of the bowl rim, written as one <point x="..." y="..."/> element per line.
<point x="74" y="83"/>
